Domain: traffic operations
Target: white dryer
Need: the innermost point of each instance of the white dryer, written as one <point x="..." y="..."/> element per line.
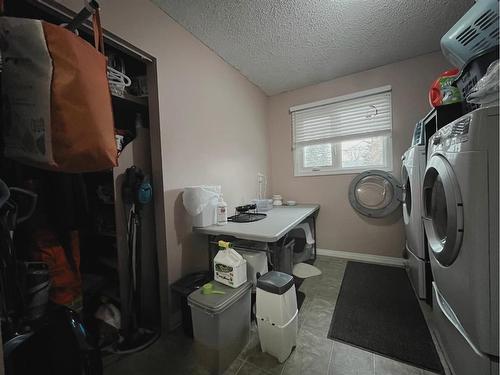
<point x="460" y="198"/>
<point x="412" y="174"/>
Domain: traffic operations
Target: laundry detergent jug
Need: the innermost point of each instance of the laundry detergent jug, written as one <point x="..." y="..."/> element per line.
<point x="230" y="268"/>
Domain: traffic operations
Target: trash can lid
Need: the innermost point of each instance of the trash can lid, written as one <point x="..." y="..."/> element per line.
<point x="190" y="283"/>
<point x="275" y="282"/>
<point x="216" y="303"/>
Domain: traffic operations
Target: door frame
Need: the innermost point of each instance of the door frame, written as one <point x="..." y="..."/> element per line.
<point x="158" y="175"/>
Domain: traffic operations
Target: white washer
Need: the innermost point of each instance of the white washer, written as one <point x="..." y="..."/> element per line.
<point x="460" y="198"/>
<point x="412" y="173"/>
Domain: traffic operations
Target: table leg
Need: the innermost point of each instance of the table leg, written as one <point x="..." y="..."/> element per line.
<point x="315" y="239"/>
<point x="276" y="255"/>
<point x="210" y="257"/>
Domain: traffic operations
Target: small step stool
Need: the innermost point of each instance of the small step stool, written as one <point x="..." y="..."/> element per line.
<point x="277" y="314"/>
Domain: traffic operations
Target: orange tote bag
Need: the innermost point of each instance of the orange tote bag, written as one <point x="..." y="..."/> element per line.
<point x="55" y="95"/>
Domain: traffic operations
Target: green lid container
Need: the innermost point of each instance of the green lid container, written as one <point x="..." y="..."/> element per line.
<point x="217" y="303"/>
<point x="221" y="325"/>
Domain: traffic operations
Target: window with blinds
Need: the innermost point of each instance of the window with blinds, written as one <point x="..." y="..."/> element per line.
<point x="347" y="134"/>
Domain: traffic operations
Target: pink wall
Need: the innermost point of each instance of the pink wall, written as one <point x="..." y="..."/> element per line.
<point x="213" y="123"/>
<point x="339" y="226"/>
<point x="218" y="128"/>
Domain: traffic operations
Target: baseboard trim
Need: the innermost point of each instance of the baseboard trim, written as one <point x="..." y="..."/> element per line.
<point x="175" y="320"/>
<point x="368" y="258"/>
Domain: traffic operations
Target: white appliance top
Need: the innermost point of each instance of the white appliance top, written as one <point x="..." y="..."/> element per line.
<point x="460" y="136"/>
<point x="279" y="221"/>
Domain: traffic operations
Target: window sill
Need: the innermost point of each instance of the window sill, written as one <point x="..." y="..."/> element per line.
<point x="339" y="172"/>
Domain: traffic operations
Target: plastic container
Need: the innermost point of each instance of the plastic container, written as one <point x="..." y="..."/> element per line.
<point x="304" y="242"/>
<point x="474" y="33"/>
<point x="277" y="200"/>
<point x="263" y="205"/>
<point x="474" y="70"/>
<point x="277" y="314"/>
<point x="442" y="91"/>
<point x="201" y="203"/>
<point x="221" y="324"/>
<point x="221" y="211"/>
<point x="183" y="288"/>
<point x="256" y="264"/>
<point x="230" y="268"/>
<point x="302" y="251"/>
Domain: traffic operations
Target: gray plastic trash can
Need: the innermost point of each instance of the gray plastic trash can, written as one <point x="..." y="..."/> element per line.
<point x="183" y="288"/>
<point x="221" y="325"/>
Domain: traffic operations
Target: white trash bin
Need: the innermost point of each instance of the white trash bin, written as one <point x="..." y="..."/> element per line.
<point x="277" y="314"/>
<point x="201" y="203"/>
<point x="255" y="253"/>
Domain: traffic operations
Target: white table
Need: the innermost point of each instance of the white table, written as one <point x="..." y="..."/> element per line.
<point x="278" y="222"/>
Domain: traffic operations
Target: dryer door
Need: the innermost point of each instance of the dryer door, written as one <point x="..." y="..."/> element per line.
<point x="406" y="193"/>
<point x="375" y="193"/>
<point x="443" y="210"/>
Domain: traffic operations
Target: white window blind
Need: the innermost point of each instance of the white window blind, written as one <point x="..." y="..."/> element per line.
<point x="367" y="115"/>
<point x="346" y="134"/>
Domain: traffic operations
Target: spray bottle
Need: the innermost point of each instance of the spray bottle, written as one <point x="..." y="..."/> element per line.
<point x="230" y="268"/>
<point x="221" y="211"/>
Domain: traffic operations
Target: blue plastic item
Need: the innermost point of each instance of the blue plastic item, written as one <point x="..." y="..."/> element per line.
<point x="474" y="33"/>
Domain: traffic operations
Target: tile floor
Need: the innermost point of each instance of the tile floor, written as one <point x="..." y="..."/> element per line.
<point x="314" y="354"/>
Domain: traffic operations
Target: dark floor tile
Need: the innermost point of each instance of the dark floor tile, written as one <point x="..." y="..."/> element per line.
<point x="349" y="360"/>
<point x="249" y="369"/>
<point x="387" y="366"/>
<point x="253" y="343"/>
<point x="234" y="368"/>
<point x="254" y="355"/>
<point x="318" y="316"/>
<point x="265" y="362"/>
<point x="303" y="310"/>
<point x="311" y="356"/>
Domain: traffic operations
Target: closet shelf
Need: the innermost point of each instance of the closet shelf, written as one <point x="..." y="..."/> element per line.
<point x="106" y="234"/>
<point x="109" y="262"/>
<point x="140" y="100"/>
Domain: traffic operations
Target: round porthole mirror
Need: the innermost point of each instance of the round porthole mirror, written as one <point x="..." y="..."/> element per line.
<point x="375" y="193"/>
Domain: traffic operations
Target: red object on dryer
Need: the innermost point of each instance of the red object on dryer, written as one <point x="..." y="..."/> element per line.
<point x="442" y="91"/>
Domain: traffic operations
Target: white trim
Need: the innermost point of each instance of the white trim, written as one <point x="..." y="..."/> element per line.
<point x="336" y="168"/>
<point x="342" y="98"/>
<point x="328" y="172"/>
<point x="368" y="258"/>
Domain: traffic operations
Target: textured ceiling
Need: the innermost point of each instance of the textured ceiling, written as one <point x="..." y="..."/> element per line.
<point x="285" y="44"/>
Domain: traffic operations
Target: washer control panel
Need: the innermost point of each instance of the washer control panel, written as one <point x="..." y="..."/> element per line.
<point x="451" y="135"/>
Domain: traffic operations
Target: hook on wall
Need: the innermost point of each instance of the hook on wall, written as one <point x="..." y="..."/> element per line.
<point x="89" y="9"/>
